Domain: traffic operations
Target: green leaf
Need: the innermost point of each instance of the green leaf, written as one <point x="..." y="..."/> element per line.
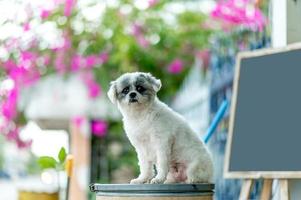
<point x="47" y="162"/>
<point x="62" y="155"/>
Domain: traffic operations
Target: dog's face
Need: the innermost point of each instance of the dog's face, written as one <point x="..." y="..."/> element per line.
<point x="134" y="89"/>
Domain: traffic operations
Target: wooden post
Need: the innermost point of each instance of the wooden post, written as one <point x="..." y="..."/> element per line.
<point x="246" y="189"/>
<point x="284" y="193"/>
<point x="266" y="189"/>
<point x="81" y="150"/>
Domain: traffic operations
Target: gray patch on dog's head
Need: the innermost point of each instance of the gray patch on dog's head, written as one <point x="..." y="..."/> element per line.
<point x="156" y="83"/>
<point x="123" y="82"/>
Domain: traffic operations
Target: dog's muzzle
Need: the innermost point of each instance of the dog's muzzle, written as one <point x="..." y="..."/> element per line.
<point x="133" y="98"/>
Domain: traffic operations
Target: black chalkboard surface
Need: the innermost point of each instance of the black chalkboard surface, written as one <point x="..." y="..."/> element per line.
<point x="264" y="137"/>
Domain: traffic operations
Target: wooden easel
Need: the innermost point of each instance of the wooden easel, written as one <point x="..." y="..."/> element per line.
<point x="266" y="189"/>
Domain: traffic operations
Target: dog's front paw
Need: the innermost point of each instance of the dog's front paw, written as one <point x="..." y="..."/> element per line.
<point x="157" y="180"/>
<point x="138" y="181"/>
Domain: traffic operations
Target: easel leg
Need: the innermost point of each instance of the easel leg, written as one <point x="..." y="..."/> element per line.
<point x="266" y="189"/>
<point x="284" y="193"/>
<point x="246" y="189"/>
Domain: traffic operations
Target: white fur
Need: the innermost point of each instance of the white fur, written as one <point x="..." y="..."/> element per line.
<point x="163" y="138"/>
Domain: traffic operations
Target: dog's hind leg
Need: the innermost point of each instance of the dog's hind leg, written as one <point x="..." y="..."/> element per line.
<point x="199" y="171"/>
<point x="170" y="178"/>
<point x="176" y="174"/>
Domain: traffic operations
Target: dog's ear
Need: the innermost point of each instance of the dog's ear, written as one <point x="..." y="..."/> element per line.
<point x="112" y="93"/>
<point x="156" y="83"/>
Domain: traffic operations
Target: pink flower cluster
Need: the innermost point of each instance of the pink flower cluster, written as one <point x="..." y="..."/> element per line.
<point x="79" y="62"/>
<point x="68" y="7"/>
<point x="25" y="71"/>
<point x="152" y="3"/>
<point x="86" y="64"/>
<point x="19" y="75"/>
<point x="240" y="12"/>
<point x="13" y="135"/>
<point x="69" y="4"/>
<point x="9" y="105"/>
<point x="176" y="66"/>
<point x="45" y="13"/>
<point x="137" y="32"/>
<point x="99" y="128"/>
<point x="94" y="89"/>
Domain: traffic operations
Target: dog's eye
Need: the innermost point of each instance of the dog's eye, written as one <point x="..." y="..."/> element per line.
<point x="125" y="90"/>
<point x="140" y="88"/>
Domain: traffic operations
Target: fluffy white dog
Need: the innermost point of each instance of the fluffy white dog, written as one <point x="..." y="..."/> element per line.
<point x="160" y="136"/>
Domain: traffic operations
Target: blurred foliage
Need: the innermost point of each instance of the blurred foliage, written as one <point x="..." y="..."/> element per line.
<point x="48" y="162"/>
<point x="168" y="36"/>
<point x="32" y="166"/>
<point x="180" y="40"/>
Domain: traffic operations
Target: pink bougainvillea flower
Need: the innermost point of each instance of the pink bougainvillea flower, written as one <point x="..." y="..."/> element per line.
<point x="26" y="26"/>
<point x="27" y="59"/>
<point x="152" y="3"/>
<point x="94" y="89"/>
<point x="76" y="63"/>
<point x="240" y="12"/>
<point x="9" y="64"/>
<point x="27" y="55"/>
<point x="137" y="32"/>
<point x="99" y="128"/>
<point x="23" y="75"/>
<point x="68" y="7"/>
<point x="23" y="144"/>
<point x="87" y="76"/>
<point x="91" y="61"/>
<point x="136" y="29"/>
<point x="142" y="41"/>
<point x="176" y="66"/>
<point x="18" y="74"/>
<point x="13" y="134"/>
<point x="46" y="60"/>
<point x="59" y="63"/>
<point x="9" y="105"/>
<point x="9" y="109"/>
<point x="44" y="14"/>
<point x="104" y="57"/>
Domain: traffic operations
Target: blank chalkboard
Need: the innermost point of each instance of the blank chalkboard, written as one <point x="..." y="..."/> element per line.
<point x="264" y="137"/>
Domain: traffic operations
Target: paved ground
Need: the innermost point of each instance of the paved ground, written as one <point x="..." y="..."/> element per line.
<point x="8" y="190"/>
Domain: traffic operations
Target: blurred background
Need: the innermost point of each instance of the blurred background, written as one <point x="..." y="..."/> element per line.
<point x="57" y="58"/>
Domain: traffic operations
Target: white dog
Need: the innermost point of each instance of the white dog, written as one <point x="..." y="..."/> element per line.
<point x="160" y="136"/>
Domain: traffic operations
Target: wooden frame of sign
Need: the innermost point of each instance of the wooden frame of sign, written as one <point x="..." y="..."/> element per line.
<point x="249" y="176"/>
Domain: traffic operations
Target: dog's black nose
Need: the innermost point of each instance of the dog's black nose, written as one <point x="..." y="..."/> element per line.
<point x="133" y="94"/>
